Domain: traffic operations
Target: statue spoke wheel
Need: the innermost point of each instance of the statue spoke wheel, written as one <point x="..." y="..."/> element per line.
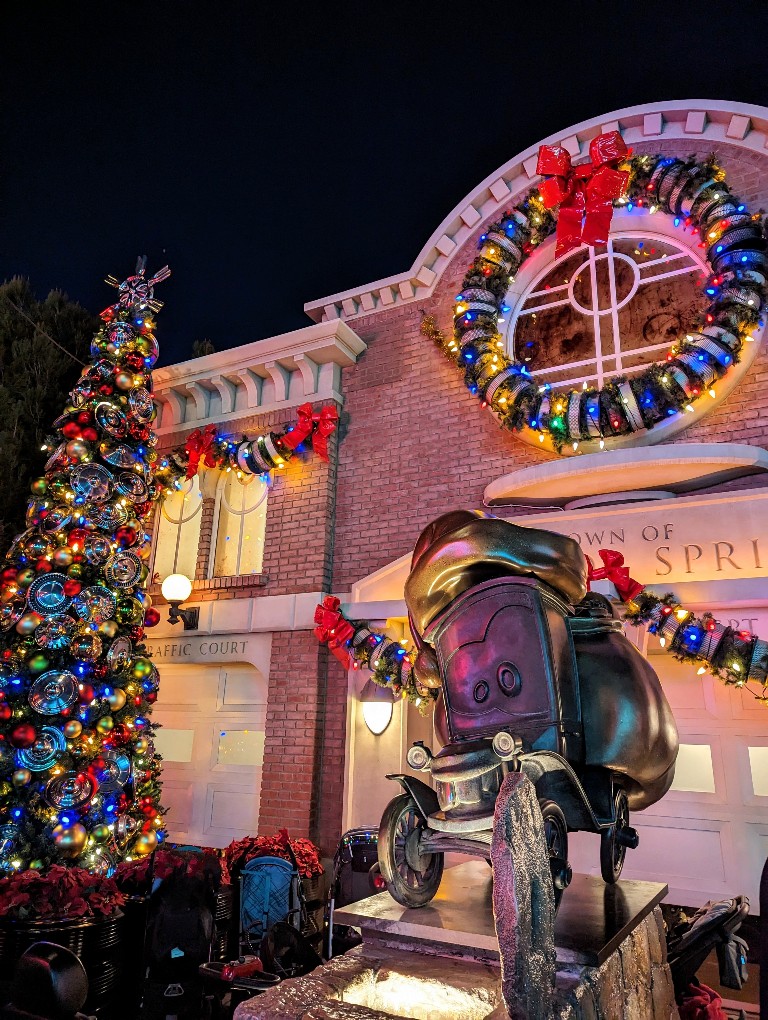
<point x="556" y="835"/>
<point x="612" y="850"/>
<point x="412" y="877"/>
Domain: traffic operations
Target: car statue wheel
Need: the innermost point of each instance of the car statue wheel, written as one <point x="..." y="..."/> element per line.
<point x="412" y="877"/>
<point x="612" y="852"/>
<point x="556" y="835"/>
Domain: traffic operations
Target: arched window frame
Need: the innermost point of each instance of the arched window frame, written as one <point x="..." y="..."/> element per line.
<point x="191" y="485"/>
<point x="221" y="503"/>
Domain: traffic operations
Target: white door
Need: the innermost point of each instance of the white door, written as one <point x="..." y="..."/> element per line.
<point x="212" y="743"/>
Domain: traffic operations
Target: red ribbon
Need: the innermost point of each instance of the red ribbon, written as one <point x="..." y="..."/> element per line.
<point x="318" y="425"/>
<point x="613" y="570"/>
<point x="585" y="193"/>
<point x="200" y="447"/>
<point x="333" y="630"/>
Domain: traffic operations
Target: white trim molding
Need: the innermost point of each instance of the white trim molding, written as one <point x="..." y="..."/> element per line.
<point x="706" y="120"/>
<point x="281" y="371"/>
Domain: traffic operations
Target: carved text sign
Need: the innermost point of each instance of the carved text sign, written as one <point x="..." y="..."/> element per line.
<point x="692" y="538"/>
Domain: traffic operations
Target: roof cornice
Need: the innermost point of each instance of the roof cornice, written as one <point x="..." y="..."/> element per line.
<point x="710" y="120"/>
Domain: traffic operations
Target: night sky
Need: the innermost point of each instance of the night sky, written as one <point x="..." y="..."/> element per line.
<point x="276" y="153"/>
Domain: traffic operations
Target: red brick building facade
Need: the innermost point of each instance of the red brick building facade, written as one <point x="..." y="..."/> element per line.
<point x="413" y="443"/>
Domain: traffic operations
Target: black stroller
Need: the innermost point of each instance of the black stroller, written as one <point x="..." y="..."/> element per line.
<point x="692" y="939"/>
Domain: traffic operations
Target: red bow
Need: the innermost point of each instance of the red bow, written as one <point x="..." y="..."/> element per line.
<point x="332" y="629"/>
<point x="613" y="570"/>
<point x="318" y="425"/>
<point x="585" y="193"/>
<point x="199" y="447"/>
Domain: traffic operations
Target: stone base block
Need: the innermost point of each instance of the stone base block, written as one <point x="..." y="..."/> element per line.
<point x="374" y="983"/>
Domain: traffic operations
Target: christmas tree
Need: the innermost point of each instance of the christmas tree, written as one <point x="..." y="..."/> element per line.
<point x="79" y="776"/>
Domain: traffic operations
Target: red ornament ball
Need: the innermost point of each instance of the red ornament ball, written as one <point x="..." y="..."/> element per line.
<point x="9" y="574"/>
<point x="43" y="566"/>
<point x="23" y="735"/>
<point x="106" y="390"/>
<point x="90" y="434"/>
<point x="126" y="536"/>
<point x="120" y="734"/>
<point x="72" y="587"/>
<point x="86" y="693"/>
<point x="71" y="430"/>
<point x="151" y="617"/>
<point x="137" y="633"/>
<point x="5" y="711"/>
<point x="151" y="697"/>
<point x="148" y="810"/>
<point x="76" y="538"/>
<point x="84" y="417"/>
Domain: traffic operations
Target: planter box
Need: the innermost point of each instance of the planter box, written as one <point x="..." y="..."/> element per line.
<point x="96" y="941"/>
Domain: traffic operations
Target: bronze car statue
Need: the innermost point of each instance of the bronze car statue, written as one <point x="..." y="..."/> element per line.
<point x="534" y="674"/>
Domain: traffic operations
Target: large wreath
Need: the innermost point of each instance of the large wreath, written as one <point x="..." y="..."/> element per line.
<point x="697" y="196"/>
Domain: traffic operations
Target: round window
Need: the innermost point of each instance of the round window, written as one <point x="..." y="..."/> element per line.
<point x="611" y="310"/>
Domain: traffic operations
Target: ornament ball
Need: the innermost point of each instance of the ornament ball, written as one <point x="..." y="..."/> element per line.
<point x="23" y="735"/>
<point x="39" y="486"/>
<point x="117" y="699"/>
<point x="145" y="844"/>
<point x="21" y="777"/>
<point x="29" y="623"/>
<point x="70" y="839"/>
<point x="105" y="724"/>
<point x="73" y="729"/>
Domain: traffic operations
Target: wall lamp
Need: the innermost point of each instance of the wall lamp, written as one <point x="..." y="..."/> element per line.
<point x="177" y="588"/>
<point x="378" y="704"/>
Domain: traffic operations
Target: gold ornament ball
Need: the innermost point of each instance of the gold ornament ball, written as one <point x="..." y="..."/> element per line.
<point x="29" y="623"/>
<point x="108" y="629"/>
<point x="63" y="557"/>
<point x="77" y="448"/>
<point x="124" y="380"/>
<point x="145" y="844"/>
<point x="25" y="577"/>
<point x="21" y="777"/>
<point x="72" y="729"/>
<point x="76" y="571"/>
<point x="117" y="699"/>
<point x="5" y="789"/>
<point x="36" y="865"/>
<point x="142" y="745"/>
<point x="101" y="833"/>
<point x="70" y="839"/>
<point x="105" y="724"/>
<point x="39" y="486"/>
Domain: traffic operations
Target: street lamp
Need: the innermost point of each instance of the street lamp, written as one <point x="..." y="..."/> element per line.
<point x="378" y="704"/>
<point x="177" y="588"/>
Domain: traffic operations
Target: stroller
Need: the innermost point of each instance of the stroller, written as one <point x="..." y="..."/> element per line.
<point x="180" y="933"/>
<point x="692" y="939"/>
<point x="356" y="874"/>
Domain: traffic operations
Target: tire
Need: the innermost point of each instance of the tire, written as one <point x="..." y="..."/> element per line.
<point x="412" y="878"/>
<point x="556" y="835"/>
<point x="612" y="853"/>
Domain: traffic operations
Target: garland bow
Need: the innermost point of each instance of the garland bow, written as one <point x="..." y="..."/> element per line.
<point x="613" y="570"/>
<point x="200" y="446"/>
<point x="319" y="425"/>
<point x="585" y="193"/>
<point x="332" y="629"/>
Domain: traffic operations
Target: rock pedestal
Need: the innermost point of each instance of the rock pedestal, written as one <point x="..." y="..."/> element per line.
<point x="442" y="962"/>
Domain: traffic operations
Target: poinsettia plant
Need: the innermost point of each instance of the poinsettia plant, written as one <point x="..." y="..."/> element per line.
<point x="132" y="876"/>
<point x="58" y="894"/>
<point x="307" y="855"/>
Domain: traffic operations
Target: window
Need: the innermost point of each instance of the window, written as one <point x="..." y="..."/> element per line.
<point x="178" y="531"/>
<point x="605" y="311"/>
<point x="242" y="521"/>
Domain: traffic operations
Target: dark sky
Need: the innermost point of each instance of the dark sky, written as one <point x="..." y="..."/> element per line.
<point x="275" y="153"/>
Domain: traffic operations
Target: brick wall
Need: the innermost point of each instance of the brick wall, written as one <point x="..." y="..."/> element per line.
<point x="418" y="444"/>
<point x="303" y="772"/>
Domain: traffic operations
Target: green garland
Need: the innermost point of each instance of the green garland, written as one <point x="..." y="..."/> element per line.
<point x="696" y="194"/>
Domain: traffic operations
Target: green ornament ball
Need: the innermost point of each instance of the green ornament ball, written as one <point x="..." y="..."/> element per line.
<point x="36" y="865"/>
<point x="100" y="833"/>
<point x="76" y="571"/>
<point x="141" y="668"/>
<point x="25" y="577"/>
<point x="38" y="663"/>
